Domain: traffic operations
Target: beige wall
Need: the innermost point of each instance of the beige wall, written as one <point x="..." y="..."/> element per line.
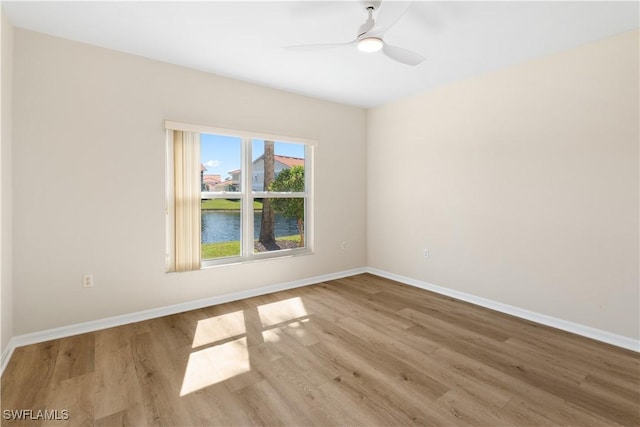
<point x="6" y="270"/>
<point x="89" y="180"/>
<point x="523" y="184"/>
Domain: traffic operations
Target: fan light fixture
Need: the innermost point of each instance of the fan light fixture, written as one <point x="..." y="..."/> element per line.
<point x="370" y="44"/>
<point x="370" y="36"/>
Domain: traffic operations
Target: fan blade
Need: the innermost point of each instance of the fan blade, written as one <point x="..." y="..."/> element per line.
<point x="312" y="47"/>
<point x="390" y="12"/>
<point x="402" y="55"/>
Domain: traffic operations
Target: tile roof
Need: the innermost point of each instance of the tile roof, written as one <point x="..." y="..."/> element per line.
<point x="285" y="160"/>
<point x="289" y="161"/>
<point x="212" y="179"/>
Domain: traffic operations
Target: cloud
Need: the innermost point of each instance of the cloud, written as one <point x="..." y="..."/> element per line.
<point x="213" y="163"/>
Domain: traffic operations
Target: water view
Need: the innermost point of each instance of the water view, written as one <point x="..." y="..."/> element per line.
<point x="225" y="226"/>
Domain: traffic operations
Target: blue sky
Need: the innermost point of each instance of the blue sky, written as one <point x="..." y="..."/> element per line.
<point x="221" y="154"/>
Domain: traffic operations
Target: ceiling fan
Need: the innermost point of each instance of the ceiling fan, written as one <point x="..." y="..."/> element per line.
<point x="370" y="35"/>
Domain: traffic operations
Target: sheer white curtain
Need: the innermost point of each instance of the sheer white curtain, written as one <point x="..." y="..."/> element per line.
<point x="186" y="166"/>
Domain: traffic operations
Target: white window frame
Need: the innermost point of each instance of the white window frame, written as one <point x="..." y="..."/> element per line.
<point x="246" y="195"/>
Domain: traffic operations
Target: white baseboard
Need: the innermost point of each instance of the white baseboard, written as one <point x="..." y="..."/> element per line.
<point x="585" y="331"/>
<point x="95" y="325"/>
<point x="6" y="355"/>
<point x="109" y="322"/>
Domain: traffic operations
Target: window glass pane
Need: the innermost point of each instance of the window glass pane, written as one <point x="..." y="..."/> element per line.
<point x="279" y="224"/>
<point x="221" y="228"/>
<point x="220" y="162"/>
<point x="270" y="159"/>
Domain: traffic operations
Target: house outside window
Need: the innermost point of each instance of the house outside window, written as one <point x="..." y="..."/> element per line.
<point x="280" y="163"/>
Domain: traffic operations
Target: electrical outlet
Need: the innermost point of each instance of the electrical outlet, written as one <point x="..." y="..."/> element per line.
<point x="87" y="281"/>
<point x="425" y="253"/>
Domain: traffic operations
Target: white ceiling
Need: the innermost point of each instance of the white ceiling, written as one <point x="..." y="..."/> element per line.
<point x="244" y="40"/>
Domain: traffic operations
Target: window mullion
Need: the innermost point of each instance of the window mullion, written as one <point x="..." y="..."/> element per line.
<point x="212" y="195"/>
<point x="308" y="201"/>
<point x="276" y="195"/>
<point x="247" y="199"/>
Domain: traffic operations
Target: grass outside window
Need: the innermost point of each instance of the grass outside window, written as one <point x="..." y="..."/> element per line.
<point x="226" y="205"/>
<point x="226" y="249"/>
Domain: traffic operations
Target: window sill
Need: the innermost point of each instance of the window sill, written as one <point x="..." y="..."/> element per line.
<point x="265" y="256"/>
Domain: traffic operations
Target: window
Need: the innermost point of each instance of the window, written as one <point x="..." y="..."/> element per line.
<point x="235" y="196"/>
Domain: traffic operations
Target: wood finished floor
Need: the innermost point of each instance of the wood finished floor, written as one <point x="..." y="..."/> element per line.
<point x="356" y="351"/>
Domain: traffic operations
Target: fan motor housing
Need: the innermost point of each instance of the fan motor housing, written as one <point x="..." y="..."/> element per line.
<point x="375" y="4"/>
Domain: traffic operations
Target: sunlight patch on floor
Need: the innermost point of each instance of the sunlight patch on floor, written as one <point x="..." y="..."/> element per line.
<point x="296" y="329"/>
<point x="282" y="311"/>
<point x="215" y="364"/>
<point x="219" y="328"/>
<point x="271" y="336"/>
<point x="224" y="338"/>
